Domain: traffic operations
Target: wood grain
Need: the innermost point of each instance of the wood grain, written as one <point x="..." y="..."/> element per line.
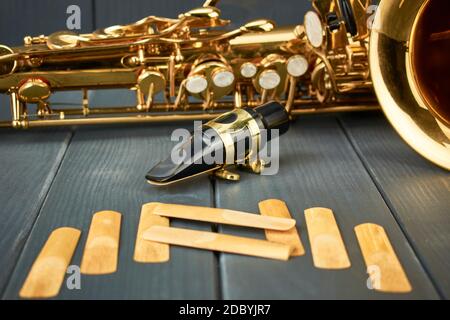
<point x="218" y="242"/>
<point x="102" y="244"/>
<point x="386" y="272"/>
<point x="278" y="208"/>
<point x="327" y="247"/>
<point x="149" y="251"/>
<point x="223" y="216"/>
<point x="47" y="273"/>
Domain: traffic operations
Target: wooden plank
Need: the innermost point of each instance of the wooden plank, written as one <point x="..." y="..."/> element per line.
<point x="278" y="208"/>
<point x="327" y="247"/>
<point x="318" y="167"/>
<point x="104" y="169"/>
<point x="417" y="191"/>
<point x="29" y="162"/>
<point x="48" y="271"/>
<point x="288" y="12"/>
<point x="19" y="18"/>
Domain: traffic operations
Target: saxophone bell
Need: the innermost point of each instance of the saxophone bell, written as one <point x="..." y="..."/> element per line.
<point x="233" y="138"/>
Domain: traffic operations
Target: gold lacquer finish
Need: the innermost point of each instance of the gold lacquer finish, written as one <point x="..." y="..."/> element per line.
<point x="410" y="69"/>
<point x="187" y="68"/>
<point x="34" y="90"/>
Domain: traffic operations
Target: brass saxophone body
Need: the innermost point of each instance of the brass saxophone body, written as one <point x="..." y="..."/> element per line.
<point x="191" y="67"/>
<point x="187" y="62"/>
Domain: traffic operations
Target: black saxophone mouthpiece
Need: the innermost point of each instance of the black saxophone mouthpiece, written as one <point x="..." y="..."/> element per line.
<point x="234" y="138"/>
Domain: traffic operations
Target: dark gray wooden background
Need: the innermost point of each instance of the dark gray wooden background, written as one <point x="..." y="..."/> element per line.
<point x="355" y="164"/>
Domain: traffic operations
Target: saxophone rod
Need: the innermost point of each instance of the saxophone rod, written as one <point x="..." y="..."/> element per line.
<point x="307" y="108"/>
<point x="175" y="117"/>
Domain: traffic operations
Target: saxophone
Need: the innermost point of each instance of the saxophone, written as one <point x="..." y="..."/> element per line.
<point x="192" y="68"/>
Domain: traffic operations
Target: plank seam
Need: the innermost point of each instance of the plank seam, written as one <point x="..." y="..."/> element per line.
<point x="389" y="204"/>
<point x="47" y="187"/>
<point x="217" y="255"/>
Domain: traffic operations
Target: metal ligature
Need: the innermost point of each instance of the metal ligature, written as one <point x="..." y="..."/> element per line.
<point x="192" y="68"/>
